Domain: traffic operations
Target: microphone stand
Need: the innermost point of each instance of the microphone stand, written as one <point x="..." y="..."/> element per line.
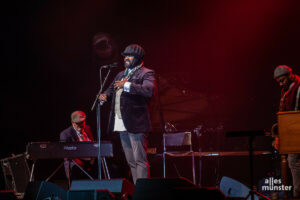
<point x="99" y="104"/>
<point x="251" y="135"/>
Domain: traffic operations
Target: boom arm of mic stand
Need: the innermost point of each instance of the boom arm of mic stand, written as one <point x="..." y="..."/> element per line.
<point x="99" y="123"/>
<point x="101" y="89"/>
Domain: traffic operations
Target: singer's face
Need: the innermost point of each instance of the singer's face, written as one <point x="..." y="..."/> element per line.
<point x="128" y="60"/>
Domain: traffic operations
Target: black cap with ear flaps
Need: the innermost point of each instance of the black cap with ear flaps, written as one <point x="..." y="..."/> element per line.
<point x="134" y="50"/>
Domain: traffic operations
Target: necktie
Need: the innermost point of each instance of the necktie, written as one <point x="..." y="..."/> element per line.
<point x="84" y="136"/>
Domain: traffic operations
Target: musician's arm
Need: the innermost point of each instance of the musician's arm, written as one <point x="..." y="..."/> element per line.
<point x="110" y="90"/>
<point x="89" y="132"/>
<point x="298" y="99"/>
<point x="146" y="89"/>
<point x="63" y="137"/>
<point x="274" y="131"/>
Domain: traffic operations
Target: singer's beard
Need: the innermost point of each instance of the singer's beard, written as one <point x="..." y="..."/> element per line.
<point x="127" y="64"/>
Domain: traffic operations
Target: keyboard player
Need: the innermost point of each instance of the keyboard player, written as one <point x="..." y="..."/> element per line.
<point x="78" y="132"/>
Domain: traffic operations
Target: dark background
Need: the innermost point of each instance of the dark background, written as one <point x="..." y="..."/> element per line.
<point x="221" y="53"/>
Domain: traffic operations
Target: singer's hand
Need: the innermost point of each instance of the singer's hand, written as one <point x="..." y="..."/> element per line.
<point x="102" y="97"/>
<point x="120" y="84"/>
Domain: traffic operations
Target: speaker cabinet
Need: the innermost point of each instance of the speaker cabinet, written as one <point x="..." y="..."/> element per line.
<point x="175" y="188"/>
<point x="15" y="173"/>
<point x="8" y="195"/>
<point x="44" y="190"/>
<point x="102" y="194"/>
<point x="121" y="188"/>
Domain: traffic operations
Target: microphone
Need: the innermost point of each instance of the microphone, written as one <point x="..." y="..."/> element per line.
<point x="109" y="66"/>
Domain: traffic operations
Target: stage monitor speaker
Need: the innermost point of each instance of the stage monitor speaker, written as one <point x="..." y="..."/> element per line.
<point x="119" y="187"/>
<point x="41" y="190"/>
<point x="175" y="188"/>
<point x="101" y="194"/>
<point x="8" y="195"/>
<point x="234" y="189"/>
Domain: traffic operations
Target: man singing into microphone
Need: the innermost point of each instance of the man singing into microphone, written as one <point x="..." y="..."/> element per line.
<point x="131" y="91"/>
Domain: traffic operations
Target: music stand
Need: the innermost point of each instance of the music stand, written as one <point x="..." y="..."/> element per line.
<point x="251" y="135"/>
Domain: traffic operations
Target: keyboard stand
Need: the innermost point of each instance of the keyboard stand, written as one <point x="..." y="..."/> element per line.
<point x="103" y="162"/>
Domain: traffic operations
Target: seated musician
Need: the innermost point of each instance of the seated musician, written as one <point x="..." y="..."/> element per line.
<point x="78" y="132"/>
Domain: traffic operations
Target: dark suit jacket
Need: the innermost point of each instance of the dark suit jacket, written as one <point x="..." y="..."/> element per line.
<point x="133" y="104"/>
<point x="70" y="135"/>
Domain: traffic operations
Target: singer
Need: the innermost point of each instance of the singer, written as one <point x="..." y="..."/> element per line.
<point x="131" y="92"/>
